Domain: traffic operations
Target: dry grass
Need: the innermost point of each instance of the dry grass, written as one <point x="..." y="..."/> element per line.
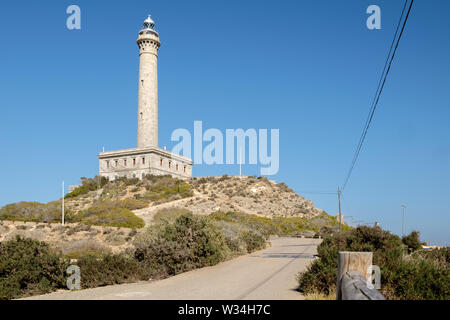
<point x="78" y="248"/>
<point x="321" y="296"/>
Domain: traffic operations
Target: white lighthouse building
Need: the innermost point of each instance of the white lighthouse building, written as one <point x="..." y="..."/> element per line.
<point x="147" y="158"/>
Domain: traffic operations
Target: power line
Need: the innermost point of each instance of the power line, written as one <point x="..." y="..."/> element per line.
<point x="381" y="83"/>
<point x="361" y="139"/>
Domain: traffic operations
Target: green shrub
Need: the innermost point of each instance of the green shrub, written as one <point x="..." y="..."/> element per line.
<point x="109" y="269"/>
<point x="279" y="225"/>
<point x="78" y="248"/>
<point x="253" y="240"/>
<point x="319" y="277"/>
<point x="165" y="188"/>
<point x="169" y="214"/>
<point x="87" y="185"/>
<point x="188" y="243"/>
<point x="420" y="279"/>
<point x="440" y="256"/>
<point x="29" y="267"/>
<point x="108" y="213"/>
<point x="412" y="241"/>
<point x="130" y="181"/>
<point x="265" y="226"/>
<point x="233" y="236"/>
<point x="131" y="204"/>
<point x="423" y="275"/>
<point x="35" y="211"/>
<point x="316" y="223"/>
<point x="240" y="239"/>
<point x="290" y="225"/>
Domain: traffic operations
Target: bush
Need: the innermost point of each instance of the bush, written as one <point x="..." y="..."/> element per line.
<point x="417" y="280"/>
<point x="412" y="241"/>
<point x="109" y="213"/>
<point x="131" y="204"/>
<point x="109" y="269"/>
<point x="239" y="238"/>
<point x="34" y="211"/>
<point x="233" y="236"/>
<point x="188" y="243"/>
<point x="176" y="242"/>
<point x="265" y="226"/>
<point x="290" y="225"/>
<point x="324" y="220"/>
<point x="418" y="276"/>
<point x="253" y="240"/>
<point x="79" y="248"/>
<point x="166" y="188"/>
<point x="29" y="267"/>
<point x="87" y="185"/>
<point x="169" y="215"/>
<point x="278" y="225"/>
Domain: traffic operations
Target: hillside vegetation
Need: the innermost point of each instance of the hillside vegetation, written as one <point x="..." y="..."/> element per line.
<point x="407" y="271"/>
<point x="129" y="230"/>
<point x="98" y="201"/>
<point x="176" y="242"/>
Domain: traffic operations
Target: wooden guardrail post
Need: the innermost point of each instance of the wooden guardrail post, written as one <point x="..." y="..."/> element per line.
<point x="352" y="261"/>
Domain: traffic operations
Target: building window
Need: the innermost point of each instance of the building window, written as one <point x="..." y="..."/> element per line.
<point x="160" y="162"/>
<point x="116" y="177"/>
<point x="134" y="162"/>
<point x="125" y="162"/>
<point x="143" y="175"/>
<point x="143" y="160"/>
<point x="170" y="164"/>
<point x="184" y="169"/>
<point x="177" y="167"/>
<point x="117" y="162"/>
<point x="134" y="175"/>
<point x="107" y="164"/>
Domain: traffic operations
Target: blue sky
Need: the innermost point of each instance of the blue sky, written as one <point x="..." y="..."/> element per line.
<point x="308" y="68"/>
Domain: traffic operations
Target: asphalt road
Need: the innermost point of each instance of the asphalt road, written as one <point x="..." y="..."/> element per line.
<point x="266" y="274"/>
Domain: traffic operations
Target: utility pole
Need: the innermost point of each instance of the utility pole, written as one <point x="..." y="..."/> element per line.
<point x="62" y="207"/>
<point x="403" y="220"/>
<point x="340" y="213"/>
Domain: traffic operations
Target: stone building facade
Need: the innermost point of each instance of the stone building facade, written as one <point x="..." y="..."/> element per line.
<point x="147" y="158"/>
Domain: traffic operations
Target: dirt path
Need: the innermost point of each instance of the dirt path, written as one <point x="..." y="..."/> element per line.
<point x="147" y="213"/>
<point x="266" y="274"/>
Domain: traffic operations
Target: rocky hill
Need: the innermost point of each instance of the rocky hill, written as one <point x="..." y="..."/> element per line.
<point x="251" y="195"/>
<point x="110" y="213"/>
<point x="201" y="195"/>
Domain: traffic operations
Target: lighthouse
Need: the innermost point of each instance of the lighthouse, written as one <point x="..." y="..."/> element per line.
<point x="147" y="125"/>
<point x="147" y="157"/>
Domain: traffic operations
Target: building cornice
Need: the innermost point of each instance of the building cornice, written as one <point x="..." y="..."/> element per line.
<point x="143" y="151"/>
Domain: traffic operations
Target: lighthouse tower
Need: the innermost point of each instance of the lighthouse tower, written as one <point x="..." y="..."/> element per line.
<point x="147" y="158"/>
<point x="147" y="128"/>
